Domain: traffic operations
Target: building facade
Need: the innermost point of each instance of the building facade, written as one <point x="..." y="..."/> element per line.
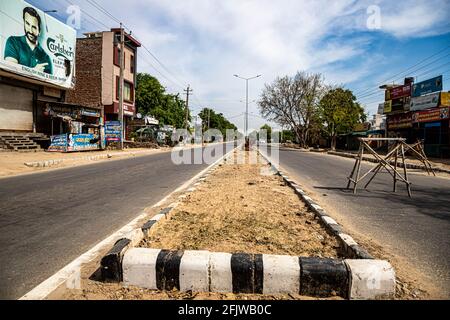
<point x="420" y="111"/>
<point x="98" y="74"/>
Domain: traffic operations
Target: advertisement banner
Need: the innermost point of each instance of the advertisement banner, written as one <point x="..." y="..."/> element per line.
<point x="400" y="121"/>
<point x="427" y="86"/>
<point x="431" y="115"/>
<point x="425" y="102"/>
<point x="82" y="142"/>
<point x="388" y="106"/>
<point x="58" y="143"/>
<point x="74" y="142"/>
<point x="36" y="45"/>
<point x="445" y="99"/>
<point x="113" y="131"/>
<point x="398" y="92"/>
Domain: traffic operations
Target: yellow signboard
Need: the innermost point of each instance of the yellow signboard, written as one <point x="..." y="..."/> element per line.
<point x="388" y="106"/>
<point x="445" y="99"/>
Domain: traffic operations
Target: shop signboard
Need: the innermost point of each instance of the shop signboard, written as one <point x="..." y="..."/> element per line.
<point x="398" y="92"/>
<point x="33" y="44"/>
<point x="427" y="86"/>
<point x="74" y="142"/>
<point x="362" y="127"/>
<point x="445" y="99"/>
<point x="113" y="131"/>
<point x="431" y="115"/>
<point x="399" y="121"/>
<point x="58" y="143"/>
<point x="90" y="113"/>
<point x="425" y="102"/>
<point x="82" y="142"/>
<point x="388" y="107"/>
<point x="398" y="105"/>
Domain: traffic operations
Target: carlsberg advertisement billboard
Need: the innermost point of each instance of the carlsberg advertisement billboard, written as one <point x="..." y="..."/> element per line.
<point x="36" y="45"/>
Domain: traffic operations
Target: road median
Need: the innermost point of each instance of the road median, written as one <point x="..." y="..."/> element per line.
<point x="240" y="232"/>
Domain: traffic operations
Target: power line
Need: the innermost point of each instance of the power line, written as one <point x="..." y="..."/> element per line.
<point x="376" y="91"/>
<point x="111" y="16"/>
<point x="404" y="71"/>
<point x="98" y="22"/>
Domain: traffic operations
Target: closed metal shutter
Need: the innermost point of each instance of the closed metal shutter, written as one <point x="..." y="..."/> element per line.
<point x="16" y="108"/>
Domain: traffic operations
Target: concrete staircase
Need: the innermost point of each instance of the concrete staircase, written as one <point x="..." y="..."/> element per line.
<point x="21" y="142"/>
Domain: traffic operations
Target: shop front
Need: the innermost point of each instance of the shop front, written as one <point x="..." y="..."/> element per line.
<point x="432" y="126"/>
<point x="73" y="128"/>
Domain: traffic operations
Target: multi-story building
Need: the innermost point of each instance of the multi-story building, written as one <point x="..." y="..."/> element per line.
<point x="98" y="74"/>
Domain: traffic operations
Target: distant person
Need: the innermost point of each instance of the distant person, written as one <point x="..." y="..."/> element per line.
<point x="26" y="50"/>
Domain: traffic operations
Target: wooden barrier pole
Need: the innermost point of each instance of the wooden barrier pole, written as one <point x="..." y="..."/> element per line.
<point x="408" y="184"/>
<point x="361" y="153"/>
<point x="395" y="169"/>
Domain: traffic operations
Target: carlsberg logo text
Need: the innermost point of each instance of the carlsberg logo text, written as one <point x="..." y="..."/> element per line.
<point x="59" y="50"/>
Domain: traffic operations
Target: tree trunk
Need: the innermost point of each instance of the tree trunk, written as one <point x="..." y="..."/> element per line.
<point x="333" y="142"/>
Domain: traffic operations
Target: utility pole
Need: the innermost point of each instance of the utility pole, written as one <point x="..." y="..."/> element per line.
<point x="121" y="81"/>
<point x="246" y="100"/>
<point x="188" y="92"/>
<point x="209" y="117"/>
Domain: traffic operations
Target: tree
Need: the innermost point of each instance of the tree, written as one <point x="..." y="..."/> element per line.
<point x="268" y="132"/>
<point x="340" y="113"/>
<point x="216" y="121"/>
<point x="152" y="100"/>
<point x="294" y="102"/>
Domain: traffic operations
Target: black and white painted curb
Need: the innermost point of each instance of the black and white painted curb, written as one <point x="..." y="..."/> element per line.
<point x="111" y="263"/>
<point x="204" y="271"/>
<point x="349" y="245"/>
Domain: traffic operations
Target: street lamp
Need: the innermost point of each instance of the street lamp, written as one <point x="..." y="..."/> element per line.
<point x="246" y="99"/>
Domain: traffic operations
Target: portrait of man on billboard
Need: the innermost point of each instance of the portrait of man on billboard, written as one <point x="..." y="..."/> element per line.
<point x="26" y="50"/>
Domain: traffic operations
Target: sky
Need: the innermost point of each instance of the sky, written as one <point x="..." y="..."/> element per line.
<point x="357" y="44"/>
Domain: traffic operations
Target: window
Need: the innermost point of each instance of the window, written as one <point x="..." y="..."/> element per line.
<point x="132" y="64"/>
<point x="117" y="56"/>
<point x="128" y="90"/>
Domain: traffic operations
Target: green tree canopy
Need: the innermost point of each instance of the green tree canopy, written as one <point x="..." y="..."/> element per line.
<point x="152" y="100"/>
<point x="216" y="121"/>
<point x="340" y="112"/>
<point x="268" y="132"/>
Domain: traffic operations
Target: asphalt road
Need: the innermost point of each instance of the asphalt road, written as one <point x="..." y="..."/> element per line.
<point x="48" y="219"/>
<point x="417" y="229"/>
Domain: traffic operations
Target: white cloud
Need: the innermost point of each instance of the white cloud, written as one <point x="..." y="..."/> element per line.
<point x="205" y="42"/>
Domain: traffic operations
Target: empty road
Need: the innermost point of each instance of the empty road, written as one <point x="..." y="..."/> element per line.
<point x="48" y="219"/>
<point x="417" y="228"/>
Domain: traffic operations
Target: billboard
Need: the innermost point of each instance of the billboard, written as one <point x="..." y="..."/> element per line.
<point x="400" y="121"/>
<point x="398" y="92"/>
<point x="425" y="102"/>
<point x="36" y="45"/>
<point x="445" y="99"/>
<point x="431" y="115"/>
<point x="113" y="131"/>
<point x="74" y="142"/>
<point x="387" y="107"/>
<point x="427" y="86"/>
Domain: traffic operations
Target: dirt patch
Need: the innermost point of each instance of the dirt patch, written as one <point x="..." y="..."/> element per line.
<point x="237" y="209"/>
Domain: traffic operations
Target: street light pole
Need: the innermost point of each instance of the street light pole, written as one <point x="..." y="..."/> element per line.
<point x="246" y="100"/>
